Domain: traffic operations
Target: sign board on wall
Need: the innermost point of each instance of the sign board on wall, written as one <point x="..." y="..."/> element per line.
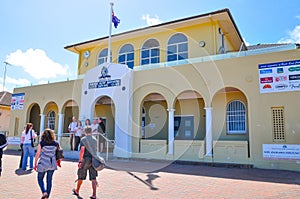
<point x="279" y="76"/>
<point x="281" y="151"/>
<point x="17" y="101"/>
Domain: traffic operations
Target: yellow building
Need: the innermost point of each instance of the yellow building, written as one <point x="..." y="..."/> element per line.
<point x="186" y="90"/>
<point x="5" y="101"/>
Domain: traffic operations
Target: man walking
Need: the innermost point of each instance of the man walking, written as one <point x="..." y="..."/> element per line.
<point x="71" y="129"/>
<point x="3" y="144"/>
<point x="88" y="146"/>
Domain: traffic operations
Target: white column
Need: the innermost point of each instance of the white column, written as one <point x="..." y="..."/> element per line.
<point x="171" y="131"/>
<point x="60" y="126"/>
<point x="208" y="136"/>
<point x="42" y="123"/>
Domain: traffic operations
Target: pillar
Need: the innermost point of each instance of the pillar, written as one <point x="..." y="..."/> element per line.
<point x="60" y="126"/>
<point x="42" y="123"/>
<point x="208" y="135"/>
<point x="171" y="131"/>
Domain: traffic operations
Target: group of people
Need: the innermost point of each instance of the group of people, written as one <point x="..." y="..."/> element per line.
<point x="44" y="160"/>
<point x="76" y="132"/>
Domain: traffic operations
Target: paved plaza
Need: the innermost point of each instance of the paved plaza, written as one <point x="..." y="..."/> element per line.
<point x="134" y="179"/>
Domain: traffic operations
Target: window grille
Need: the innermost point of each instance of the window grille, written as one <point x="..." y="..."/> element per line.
<point x="278" y="124"/>
<point x="236" y="117"/>
<point x="51" y="120"/>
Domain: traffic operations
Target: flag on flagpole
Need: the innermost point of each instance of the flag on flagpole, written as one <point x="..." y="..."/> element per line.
<point x="115" y="19"/>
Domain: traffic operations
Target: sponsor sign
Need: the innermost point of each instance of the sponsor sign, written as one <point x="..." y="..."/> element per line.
<point x="17" y="101"/>
<point x="279" y="76"/>
<point x="281" y="151"/>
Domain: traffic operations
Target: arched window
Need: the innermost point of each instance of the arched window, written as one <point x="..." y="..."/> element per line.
<point x="150" y="52"/>
<point x="236" y="117"/>
<point x="102" y="58"/>
<point x="51" y="120"/>
<point x="177" y="47"/>
<point x="126" y="55"/>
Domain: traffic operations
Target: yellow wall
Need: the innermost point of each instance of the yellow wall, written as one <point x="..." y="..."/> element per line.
<point x="4" y="118"/>
<point x="60" y="93"/>
<point x="207" y="32"/>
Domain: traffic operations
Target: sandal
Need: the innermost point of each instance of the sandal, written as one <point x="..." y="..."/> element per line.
<point x="45" y="195"/>
<point x="74" y="192"/>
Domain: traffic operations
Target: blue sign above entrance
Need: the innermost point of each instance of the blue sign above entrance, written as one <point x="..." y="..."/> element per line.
<point x="105" y="84"/>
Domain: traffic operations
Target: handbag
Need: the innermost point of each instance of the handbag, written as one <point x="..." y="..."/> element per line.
<point x="33" y="144"/>
<point x="59" y="153"/>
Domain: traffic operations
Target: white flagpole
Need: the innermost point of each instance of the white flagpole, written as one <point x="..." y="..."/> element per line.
<point x="109" y="35"/>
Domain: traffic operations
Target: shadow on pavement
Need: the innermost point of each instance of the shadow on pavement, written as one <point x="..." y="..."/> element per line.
<point x="150" y="167"/>
<point x="252" y="174"/>
<point x="148" y="181"/>
<point x="21" y="172"/>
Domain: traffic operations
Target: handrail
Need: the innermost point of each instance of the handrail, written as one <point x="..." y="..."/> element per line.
<point x="107" y="142"/>
<point x="96" y="135"/>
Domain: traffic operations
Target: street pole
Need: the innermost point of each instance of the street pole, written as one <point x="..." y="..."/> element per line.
<point x="4" y="76"/>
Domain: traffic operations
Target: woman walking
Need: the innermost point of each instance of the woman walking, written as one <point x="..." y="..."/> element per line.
<point x="45" y="161"/>
<point x="28" y="135"/>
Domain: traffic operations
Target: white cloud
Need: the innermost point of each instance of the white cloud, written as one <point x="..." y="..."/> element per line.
<point x="18" y="82"/>
<point x="37" y="64"/>
<point x="151" y="21"/>
<point x="293" y="36"/>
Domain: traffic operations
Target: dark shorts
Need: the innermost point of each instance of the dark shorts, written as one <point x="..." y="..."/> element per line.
<point x="86" y="165"/>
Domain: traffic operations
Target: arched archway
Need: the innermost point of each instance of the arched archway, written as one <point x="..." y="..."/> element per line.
<point x="34" y="116"/>
<point x="189" y="116"/>
<point x="222" y="117"/>
<point x="230" y="126"/>
<point x="155" y="117"/>
<point x="50" y="110"/>
<point x="105" y="108"/>
<point x="70" y="109"/>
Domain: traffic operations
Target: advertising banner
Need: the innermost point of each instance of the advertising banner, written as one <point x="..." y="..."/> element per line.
<point x="17" y="101"/>
<point x="279" y="76"/>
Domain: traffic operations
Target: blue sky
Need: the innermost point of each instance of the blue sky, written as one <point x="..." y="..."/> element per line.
<point x="34" y="32"/>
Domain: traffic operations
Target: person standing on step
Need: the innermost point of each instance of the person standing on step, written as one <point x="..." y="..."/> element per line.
<point x="101" y="130"/>
<point x="71" y="129"/>
<point x="78" y="134"/>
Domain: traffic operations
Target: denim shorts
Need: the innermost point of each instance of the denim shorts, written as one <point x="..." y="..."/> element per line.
<point x="86" y="165"/>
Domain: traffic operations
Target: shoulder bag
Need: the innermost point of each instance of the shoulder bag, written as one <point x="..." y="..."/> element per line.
<point x="59" y="153"/>
<point x="97" y="161"/>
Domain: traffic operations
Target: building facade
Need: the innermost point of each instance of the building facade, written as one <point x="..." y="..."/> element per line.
<point x="187" y="90"/>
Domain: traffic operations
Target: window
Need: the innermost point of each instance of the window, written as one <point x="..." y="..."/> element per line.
<point x="236" y="117"/>
<point x="278" y="124"/>
<point x="184" y="127"/>
<point x="150" y="52"/>
<point x="102" y="58"/>
<point x="177" y="47"/>
<point x="51" y="120"/>
<point x="126" y="55"/>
